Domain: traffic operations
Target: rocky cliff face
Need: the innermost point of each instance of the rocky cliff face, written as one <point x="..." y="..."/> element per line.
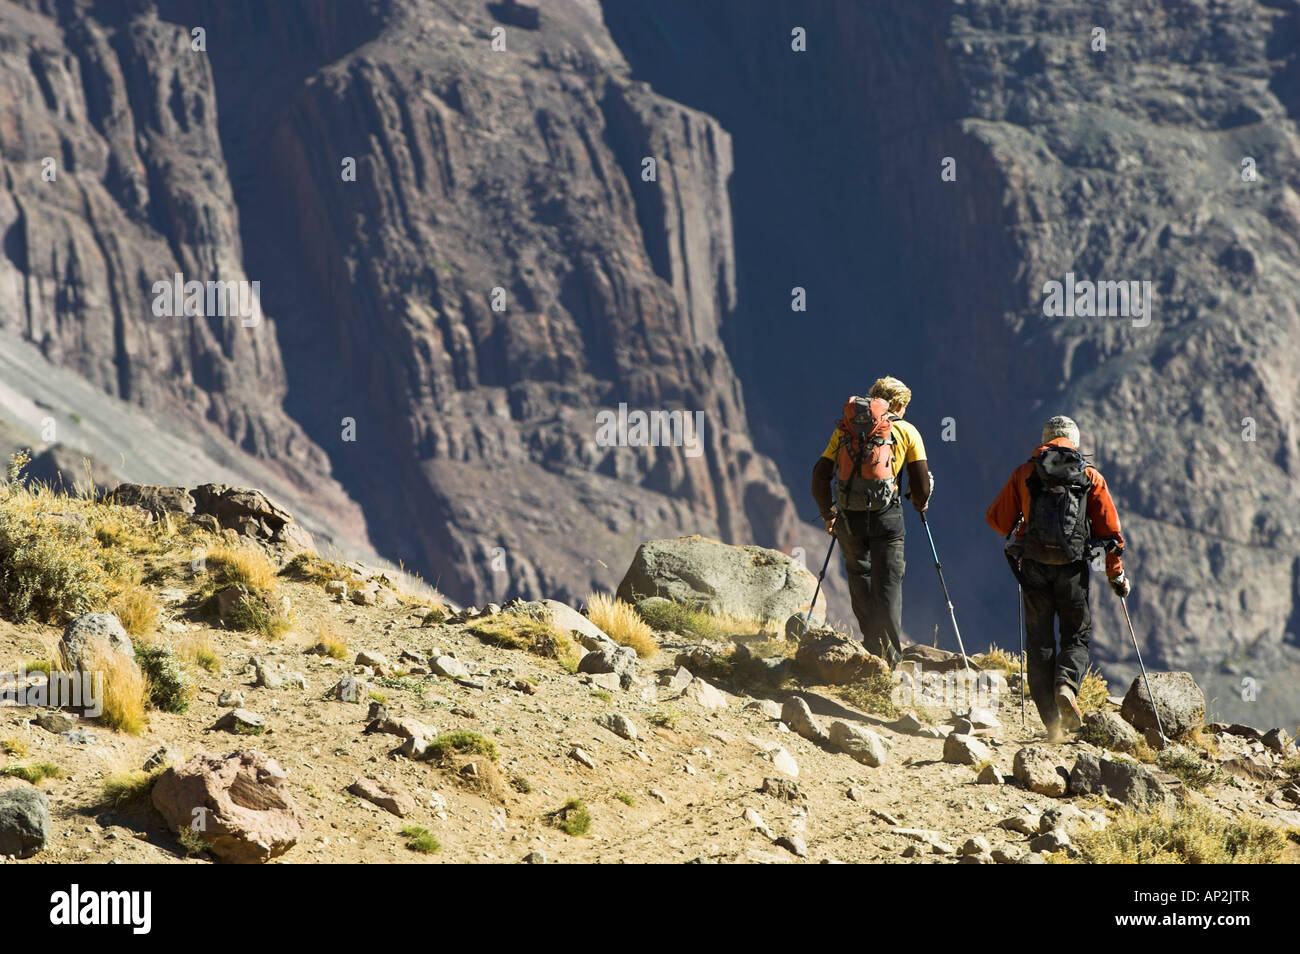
<point x="460" y="264"/>
<point x="1123" y="165"/>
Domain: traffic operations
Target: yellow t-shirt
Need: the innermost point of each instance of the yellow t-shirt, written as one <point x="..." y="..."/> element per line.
<point x="908" y="446"/>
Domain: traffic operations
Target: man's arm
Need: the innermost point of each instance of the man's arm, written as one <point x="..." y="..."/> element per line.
<point x="918" y="484"/>
<point x="823" y="470"/>
<point x="1104" y="521"/>
<point x="1004" y="513"/>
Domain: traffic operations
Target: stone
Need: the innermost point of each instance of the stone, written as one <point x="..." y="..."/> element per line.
<point x="1179" y="703"/>
<point x="677" y="680"/>
<point x="241" y="722"/>
<point x="796" y="714"/>
<point x="783" y="761"/>
<point x="78" y="736"/>
<point x="705" y="695"/>
<point x="1022" y="824"/>
<point x="350" y="689"/>
<point x="1039" y="772"/>
<point x="932" y="658"/>
<point x="90" y="634"/>
<point x="229" y="599"/>
<point x="267" y="678"/>
<point x="783" y="788"/>
<point x="230" y="699"/>
<point x="859" y="743"/>
<point x="609" y="681"/>
<point x="620" y="660"/>
<point x="568" y="620"/>
<point x="581" y="757"/>
<point x="767" y="708"/>
<point x="403" y="728"/>
<point x="1053" y="841"/>
<point x="908" y="724"/>
<point x="832" y="659"/>
<point x="24" y="822"/>
<point x="337" y="588"/>
<point x="963" y="727"/>
<point x="1060" y="817"/>
<point x="1085" y="777"/>
<point x="965" y="750"/>
<point x="990" y="774"/>
<point x="534" y="858"/>
<point x="372" y="659"/>
<point x="1003" y="856"/>
<point x="755" y="821"/>
<point x="1109" y="731"/>
<point x="449" y="666"/>
<point x="975" y="845"/>
<point x="723" y="579"/>
<point x="619" y="724"/>
<point x="160" y="757"/>
<point x="245" y="813"/>
<point x="1277" y="741"/>
<point x="793" y="844"/>
<point x="978" y="858"/>
<point x="1257" y="767"/>
<point x="56" y="721"/>
<point x="389" y="796"/>
<point x="982" y="718"/>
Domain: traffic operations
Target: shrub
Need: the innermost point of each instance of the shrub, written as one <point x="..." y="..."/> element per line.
<point x="1187" y="766"/>
<point x="170" y="687"/>
<point x="534" y="636"/>
<point x="621" y="623"/>
<point x="1093" y="691"/>
<point x="201" y="653"/>
<point x="130" y="790"/>
<point x="666" y="718"/>
<point x="874" y="694"/>
<point x="673" y="617"/>
<point x="137" y="610"/>
<point x="1192" y="836"/>
<point x="33" y="773"/>
<point x="573" y="819"/>
<point x="254" y="614"/>
<point x="625" y="798"/>
<point x="16" y="748"/>
<point x="998" y="659"/>
<point x="464" y="742"/>
<point x="420" y="839"/>
<point x="240" y="566"/>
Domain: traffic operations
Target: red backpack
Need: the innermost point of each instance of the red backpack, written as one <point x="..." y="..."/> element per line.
<point x="865" y="464"/>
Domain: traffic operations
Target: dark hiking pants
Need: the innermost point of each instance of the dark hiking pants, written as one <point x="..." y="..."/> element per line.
<point x="1055" y="593"/>
<point x="872" y="544"/>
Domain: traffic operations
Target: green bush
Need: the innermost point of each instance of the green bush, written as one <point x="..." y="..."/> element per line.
<point x="169" y="684"/>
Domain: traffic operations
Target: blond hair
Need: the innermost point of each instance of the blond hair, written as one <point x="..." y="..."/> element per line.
<point x="898" y="394"/>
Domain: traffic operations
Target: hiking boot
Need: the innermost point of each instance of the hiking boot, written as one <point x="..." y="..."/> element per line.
<point x="1071" y="717"/>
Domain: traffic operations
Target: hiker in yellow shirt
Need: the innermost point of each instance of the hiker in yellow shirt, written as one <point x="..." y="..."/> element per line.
<point x="864" y="460"/>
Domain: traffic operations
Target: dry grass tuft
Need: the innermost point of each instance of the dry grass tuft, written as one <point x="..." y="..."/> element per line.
<point x="621" y="623"/>
<point x="240" y="565"/>
<point x="530" y="635"/>
<point x="199" y="652"/>
<point x="1192" y="836"/>
<point x="124" y="693"/>
<point x="136" y="609"/>
<point x="998" y="659"/>
<point x="1092" y="691"/>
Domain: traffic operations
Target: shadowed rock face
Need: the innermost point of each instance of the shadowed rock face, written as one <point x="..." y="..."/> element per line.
<point x="475" y="456"/>
<point x="1122" y="165"/>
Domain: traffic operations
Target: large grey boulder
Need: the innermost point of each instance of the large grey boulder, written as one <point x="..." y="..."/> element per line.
<point x="1133" y="784"/>
<point x="24" y="822"/>
<point x="751" y="582"/>
<point x="88" y="635"/>
<point x="1179" y="702"/>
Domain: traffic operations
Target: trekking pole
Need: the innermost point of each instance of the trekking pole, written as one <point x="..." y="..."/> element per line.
<point x="1020" y="593"/>
<point x="822" y="575"/>
<point x="1123" y="601"/>
<point x="951" y="614"/>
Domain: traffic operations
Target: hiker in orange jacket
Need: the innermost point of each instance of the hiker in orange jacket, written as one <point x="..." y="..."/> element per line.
<point x="1059" y="508"/>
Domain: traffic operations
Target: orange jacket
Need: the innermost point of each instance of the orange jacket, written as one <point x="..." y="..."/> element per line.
<point x="1013" y="503"/>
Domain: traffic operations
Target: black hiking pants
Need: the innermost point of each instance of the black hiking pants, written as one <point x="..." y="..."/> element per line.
<point x="1055" y="593"/>
<point x="872" y="544"/>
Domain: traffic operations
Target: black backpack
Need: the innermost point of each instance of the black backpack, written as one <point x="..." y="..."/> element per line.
<point x="1056" y="532"/>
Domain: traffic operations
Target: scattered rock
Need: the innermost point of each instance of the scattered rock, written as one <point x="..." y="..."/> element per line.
<point x="56" y="721"/>
<point x="581" y="757"/>
<point x="859" y="743"/>
<point x="963" y="726"/>
<point x="162" y="756"/>
<point x="975" y="845"/>
<point x="609" y="681"/>
<point x="990" y="775"/>
<point x="534" y="858"/>
<point x="266" y="678"/>
<point x="1053" y="841"/>
<point x="965" y="750"/>
<point x="677" y="680"/>
<point x="238" y="804"/>
<point x="1132" y="784"/>
<point x="1023" y="824"/>
<point x="933" y="659"/>
<point x="977" y="858"/>
<point x="793" y="844"/>
<point x="1002" y="856"/>
<point x="90" y="634"/>
<point x="1180" y="704"/>
<point x="832" y="659"/>
<point x="1257" y="767"/>
<point x="1277" y="740"/>
<point x="1039" y="772"/>
<point x="24" y="822"/>
<point x="783" y="788"/>
<point x="705" y="695"/>
<point x="372" y="659"/>
<point x="796" y="714"/>
<point x="568" y="620"/>
<point x="350" y="689"/>
<point x="1110" y="731"/>
<point x="620" y="660"/>
<point x="619" y="724"/>
<point x="981" y="718"/>
<point x="241" y="722"/>
<point x="449" y="666"/>
<point x="403" y="728"/>
<point x="722" y="579"/>
<point x="765" y="707"/>
<point x="337" y="588"/>
<point x="387" y="795"/>
<point x="230" y="699"/>
<point x="78" y="736"/>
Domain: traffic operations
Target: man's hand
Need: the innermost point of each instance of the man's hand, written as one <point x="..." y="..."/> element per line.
<point x="830" y="522"/>
<point x="1120" y="585"/>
